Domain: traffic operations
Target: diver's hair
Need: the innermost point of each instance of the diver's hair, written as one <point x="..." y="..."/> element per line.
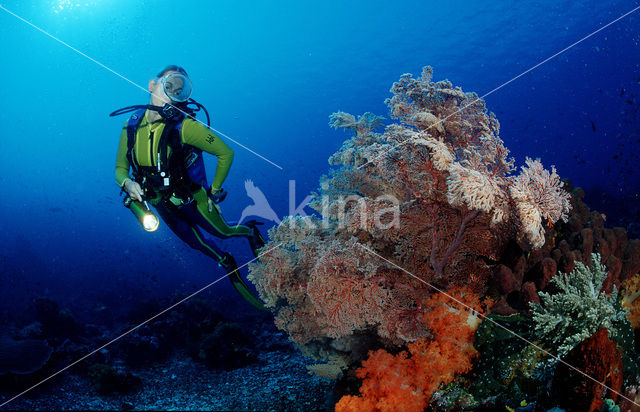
<point x="172" y="68"/>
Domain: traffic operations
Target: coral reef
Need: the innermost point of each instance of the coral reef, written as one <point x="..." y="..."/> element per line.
<point x="435" y="195"/>
<point x="364" y="124"/>
<point x="631" y="400"/>
<point x="630" y="299"/>
<point x="338" y="288"/>
<point x="452" y="397"/>
<point x="507" y="367"/>
<point x="464" y="143"/>
<point x="407" y="380"/>
<point x="434" y="203"/>
<point x="522" y="273"/>
<point x="597" y="357"/>
<point x="609" y="405"/>
<point x="578" y="309"/>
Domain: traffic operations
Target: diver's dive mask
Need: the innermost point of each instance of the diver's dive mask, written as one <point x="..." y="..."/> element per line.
<point x="177" y="87"/>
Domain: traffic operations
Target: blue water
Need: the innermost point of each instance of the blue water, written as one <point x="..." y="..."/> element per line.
<point x="271" y="73"/>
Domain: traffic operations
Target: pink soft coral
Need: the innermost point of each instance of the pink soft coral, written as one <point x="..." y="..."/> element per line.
<point x="333" y="288"/>
<point x="433" y="195"/>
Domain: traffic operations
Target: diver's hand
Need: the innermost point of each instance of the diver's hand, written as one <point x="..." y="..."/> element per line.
<point x="215" y="197"/>
<point x="133" y="189"/>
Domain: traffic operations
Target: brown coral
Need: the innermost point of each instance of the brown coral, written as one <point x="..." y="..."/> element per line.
<point x="598" y="358"/>
<point x="584" y="233"/>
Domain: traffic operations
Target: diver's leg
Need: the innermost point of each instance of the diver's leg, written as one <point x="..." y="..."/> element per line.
<point x="189" y="232"/>
<point x="181" y="225"/>
<point x="212" y="221"/>
<point x="237" y="282"/>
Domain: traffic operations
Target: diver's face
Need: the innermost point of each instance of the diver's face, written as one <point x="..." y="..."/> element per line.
<point x="174" y="86"/>
<point x="158" y="96"/>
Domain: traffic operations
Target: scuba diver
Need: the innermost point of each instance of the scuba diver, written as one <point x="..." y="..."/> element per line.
<point x="162" y="144"/>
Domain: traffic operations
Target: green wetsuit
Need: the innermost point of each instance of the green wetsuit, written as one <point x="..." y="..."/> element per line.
<point x="191" y="133"/>
<point x="185" y="223"/>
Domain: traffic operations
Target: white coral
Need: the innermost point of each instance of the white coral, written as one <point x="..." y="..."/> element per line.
<point x="426" y="120"/>
<point x="538" y="195"/>
<point x="529" y="215"/>
<point x="543" y="190"/>
<point x="457" y="92"/>
<point x="470" y="187"/>
<point x="441" y="156"/>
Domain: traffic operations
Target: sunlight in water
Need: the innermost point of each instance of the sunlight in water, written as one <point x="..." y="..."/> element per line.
<point x="67" y="5"/>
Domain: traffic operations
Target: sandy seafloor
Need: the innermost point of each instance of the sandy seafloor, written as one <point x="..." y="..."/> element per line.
<point x="278" y="381"/>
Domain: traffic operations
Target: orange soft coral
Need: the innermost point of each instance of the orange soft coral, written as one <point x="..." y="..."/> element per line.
<point x="407" y="380"/>
<point x="631" y="299"/>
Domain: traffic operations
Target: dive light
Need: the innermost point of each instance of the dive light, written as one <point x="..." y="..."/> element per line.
<point x="143" y="213"/>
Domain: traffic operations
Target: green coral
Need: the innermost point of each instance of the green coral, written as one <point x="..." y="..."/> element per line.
<point x="507" y="364"/>
<point x="453" y="397"/>
<point x="579" y="308"/>
<point x="609" y="406"/>
<point x="624" y="339"/>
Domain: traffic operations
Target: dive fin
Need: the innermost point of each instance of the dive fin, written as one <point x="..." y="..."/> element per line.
<point x="229" y="263"/>
<point x="256" y="241"/>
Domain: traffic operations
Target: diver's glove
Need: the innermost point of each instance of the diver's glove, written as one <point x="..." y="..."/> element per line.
<point x="215" y="197"/>
<point x="133" y="189"/>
